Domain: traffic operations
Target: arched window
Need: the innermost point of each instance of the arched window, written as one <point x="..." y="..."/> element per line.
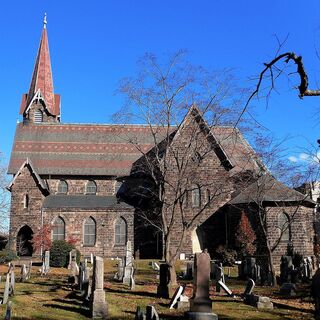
<point x="38" y="116"/>
<point x="91" y="187"/>
<point x="58" y="229"/>
<point x="284" y="226"/>
<point x="196" y="195"/>
<point x="120" y="232"/>
<point x="62" y="187"/>
<point x="89" y="234"/>
<point x="26" y="201"/>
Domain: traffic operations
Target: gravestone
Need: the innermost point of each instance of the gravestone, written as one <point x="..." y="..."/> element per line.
<point x="29" y="269"/>
<point x="85" y="281"/>
<point x="72" y="258"/>
<point x="91" y="258"/>
<point x="151" y="313"/>
<point x="258" y="301"/>
<point x="288" y="289"/>
<point x="139" y="314"/>
<point x="286" y="268"/>
<point x="6" y="289"/>
<point x="179" y="291"/>
<point x="73" y="266"/>
<point x="225" y="288"/>
<point x="190" y="266"/>
<point x="219" y="277"/>
<point x="81" y="275"/>
<point x="47" y="261"/>
<point x="132" y="281"/>
<point x="128" y="265"/>
<point x="8" y="311"/>
<point x="119" y="274"/>
<point x="98" y="301"/>
<point x="12" y="282"/>
<point x="249" y="288"/>
<point x="200" y="303"/>
<point x="163" y="287"/>
<point x="23" y="273"/>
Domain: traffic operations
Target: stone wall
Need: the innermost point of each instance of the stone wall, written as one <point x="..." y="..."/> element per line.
<point x="105" y="228"/>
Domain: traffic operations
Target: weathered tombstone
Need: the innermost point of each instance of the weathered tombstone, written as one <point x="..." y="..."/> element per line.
<point x="8" y="311"/>
<point x="258" y="301"/>
<point x="249" y="288"/>
<point x="286" y="268"/>
<point x="151" y="313"/>
<point x="132" y="281"/>
<point x="47" y="261"/>
<point x="91" y="258"/>
<point x="200" y="303"/>
<point x="12" y="283"/>
<point x="23" y="273"/>
<point x="29" y="269"/>
<point x="85" y="281"/>
<point x="6" y="289"/>
<point x="288" y="290"/>
<point x="98" y="303"/>
<point x="225" y="288"/>
<point x="309" y="268"/>
<point x="182" y="256"/>
<point x="139" y="314"/>
<point x="72" y="257"/>
<point x="128" y="264"/>
<point x="179" y="291"/>
<point x="119" y="274"/>
<point x="163" y="287"/>
<point x="81" y="275"/>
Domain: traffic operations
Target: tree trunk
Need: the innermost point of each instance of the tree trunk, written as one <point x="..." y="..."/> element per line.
<point x="271" y="266"/>
<point x="170" y="261"/>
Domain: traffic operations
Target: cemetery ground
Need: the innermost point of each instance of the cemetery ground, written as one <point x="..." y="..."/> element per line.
<point x="52" y="297"/>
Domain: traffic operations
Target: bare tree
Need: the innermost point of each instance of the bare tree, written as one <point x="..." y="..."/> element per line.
<point x="160" y="97"/>
<point x="4" y="202"/>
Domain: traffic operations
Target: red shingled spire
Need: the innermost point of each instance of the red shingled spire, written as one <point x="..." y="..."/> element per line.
<point x="42" y="79"/>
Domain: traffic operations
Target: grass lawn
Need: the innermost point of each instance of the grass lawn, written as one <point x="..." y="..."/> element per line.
<point x="51" y="297"/>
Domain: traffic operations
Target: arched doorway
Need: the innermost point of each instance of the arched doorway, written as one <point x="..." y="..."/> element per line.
<point x="24" y="244"/>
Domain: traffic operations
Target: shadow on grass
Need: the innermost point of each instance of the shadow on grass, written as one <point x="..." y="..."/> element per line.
<point x="134" y="293"/>
<point x="82" y="311"/>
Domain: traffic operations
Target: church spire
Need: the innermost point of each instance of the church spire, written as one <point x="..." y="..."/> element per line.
<point x="41" y="87"/>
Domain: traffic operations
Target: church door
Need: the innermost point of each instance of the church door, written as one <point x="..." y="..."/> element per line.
<point x="24" y="244"/>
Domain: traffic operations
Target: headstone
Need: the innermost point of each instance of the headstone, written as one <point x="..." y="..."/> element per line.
<point x="98" y="302"/>
<point x="288" y="290"/>
<point x="182" y="256"/>
<point x="309" y="268"/>
<point x="286" y="268"/>
<point x="259" y="301"/>
<point x="151" y="313"/>
<point x="91" y="258"/>
<point x="85" y="281"/>
<point x="81" y="276"/>
<point x="47" y="261"/>
<point x="6" y="289"/>
<point x="190" y="266"/>
<point x="23" y="274"/>
<point x="249" y="288"/>
<point x="29" y="270"/>
<point x="179" y="291"/>
<point x="225" y="288"/>
<point x="200" y="303"/>
<point x="119" y="274"/>
<point x="132" y="281"/>
<point x="139" y="314"/>
<point x="128" y="264"/>
<point x="8" y="311"/>
<point x="12" y="283"/>
<point x="163" y="287"/>
<point x="183" y="302"/>
<point x="72" y="257"/>
<point x="218" y="277"/>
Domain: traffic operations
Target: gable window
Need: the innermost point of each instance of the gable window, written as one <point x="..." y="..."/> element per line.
<point x="26" y="201"/>
<point x="38" y="116"/>
<point x="91" y="187"/>
<point x="284" y="226"/>
<point x="120" y="232"/>
<point x="196" y="196"/>
<point x="62" y="187"/>
<point x="58" y="229"/>
<point x="89" y="233"/>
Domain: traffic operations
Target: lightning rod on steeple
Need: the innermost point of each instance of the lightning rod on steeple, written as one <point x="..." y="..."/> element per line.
<point x="45" y="20"/>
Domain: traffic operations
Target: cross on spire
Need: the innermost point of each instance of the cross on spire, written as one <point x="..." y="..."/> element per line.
<point x="45" y="21"/>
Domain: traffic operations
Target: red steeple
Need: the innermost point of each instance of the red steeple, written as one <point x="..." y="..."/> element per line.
<point x="41" y="86"/>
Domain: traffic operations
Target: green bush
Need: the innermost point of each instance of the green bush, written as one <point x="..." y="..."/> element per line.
<point x="7" y="255"/>
<point x="59" y="253"/>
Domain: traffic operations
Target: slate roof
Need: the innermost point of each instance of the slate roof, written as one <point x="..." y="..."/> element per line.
<point x="42" y="79"/>
<point x="83" y="202"/>
<point x="96" y="149"/>
<point x="268" y="189"/>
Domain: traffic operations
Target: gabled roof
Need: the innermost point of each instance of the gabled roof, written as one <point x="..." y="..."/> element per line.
<point x="27" y="163"/>
<point x="268" y="189"/>
<point x="42" y="81"/>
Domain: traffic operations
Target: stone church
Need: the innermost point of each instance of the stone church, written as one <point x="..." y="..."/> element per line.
<point x="73" y="178"/>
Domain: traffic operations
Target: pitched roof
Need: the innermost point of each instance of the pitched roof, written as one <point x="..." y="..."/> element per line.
<point x="41" y="82"/>
<point x="268" y="189"/>
<point x="83" y="201"/>
<point x="96" y="149"/>
<point x="27" y="163"/>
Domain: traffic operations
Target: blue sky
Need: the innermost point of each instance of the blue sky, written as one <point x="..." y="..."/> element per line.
<point x="94" y="44"/>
